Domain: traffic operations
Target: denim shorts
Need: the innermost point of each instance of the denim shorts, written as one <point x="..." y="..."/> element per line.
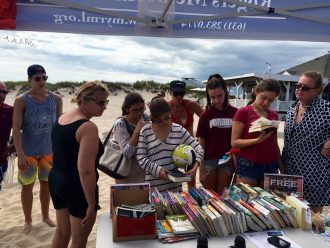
<point x="254" y="171"/>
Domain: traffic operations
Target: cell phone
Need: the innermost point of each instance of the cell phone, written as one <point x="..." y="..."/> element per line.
<point x="278" y="242"/>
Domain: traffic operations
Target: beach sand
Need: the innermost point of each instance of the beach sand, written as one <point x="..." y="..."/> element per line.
<point x="11" y="214"/>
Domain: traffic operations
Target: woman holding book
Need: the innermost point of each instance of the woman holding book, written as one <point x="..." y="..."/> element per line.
<point x="126" y="133"/>
<point x="157" y="141"/>
<point x="214" y="135"/>
<point x="306" y="149"/>
<point x="259" y="151"/>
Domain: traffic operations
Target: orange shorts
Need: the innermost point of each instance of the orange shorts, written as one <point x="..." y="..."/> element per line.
<point x="40" y="165"/>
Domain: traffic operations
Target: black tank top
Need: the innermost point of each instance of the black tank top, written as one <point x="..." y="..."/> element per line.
<point x="66" y="148"/>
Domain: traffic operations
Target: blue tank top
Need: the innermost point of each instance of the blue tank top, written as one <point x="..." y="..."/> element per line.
<point x="37" y="124"/>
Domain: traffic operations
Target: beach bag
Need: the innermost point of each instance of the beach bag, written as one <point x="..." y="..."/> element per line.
<point x="113" y="162"/>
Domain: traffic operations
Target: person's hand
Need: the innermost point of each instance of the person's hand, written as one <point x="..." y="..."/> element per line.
<point x="141" y="123"/>
<point x="193" y="171"/>
<point x="163" y="173"/>
<point x="202" y="173"/>
<point x="90" y="216"/>
<point x="22" y="162"/>
<point x="264" y="135"/>
<point x="325" y="151"/>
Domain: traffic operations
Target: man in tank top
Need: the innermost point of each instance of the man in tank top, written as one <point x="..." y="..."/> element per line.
<point x="35" y="112"/>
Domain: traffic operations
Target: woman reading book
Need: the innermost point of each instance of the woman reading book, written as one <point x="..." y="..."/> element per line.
<point x="214" y="135"/>
<point x="259" y="151"/>
<point x="157" y="141"/>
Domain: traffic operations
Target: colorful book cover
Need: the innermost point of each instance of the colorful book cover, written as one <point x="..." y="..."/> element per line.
<point x="284" y="183"/>
<point x="180" y="224"/>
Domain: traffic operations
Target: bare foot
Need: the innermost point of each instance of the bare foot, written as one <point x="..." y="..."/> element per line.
<point x="49" y="222"/>
<point x="27" y="228"/>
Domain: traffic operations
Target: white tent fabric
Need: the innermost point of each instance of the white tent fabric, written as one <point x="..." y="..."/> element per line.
<point x="306" y="20"/>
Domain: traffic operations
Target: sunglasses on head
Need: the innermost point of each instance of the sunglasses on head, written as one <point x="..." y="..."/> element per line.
<point x="100" y="103"/>
<point x="179" y="93"/>
<point x="38" y="78"/>
<point x="4" y="92"/>
<point x="303" y="87"/>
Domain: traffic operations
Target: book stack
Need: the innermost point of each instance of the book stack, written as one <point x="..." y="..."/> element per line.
<point x="179" y="176"/>
<point x="245" y="209"/>
<point x="263" y="124"/>
<point x="135" y="211"/>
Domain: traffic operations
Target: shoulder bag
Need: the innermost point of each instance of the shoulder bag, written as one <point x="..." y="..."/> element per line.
<point x="113" y="162"/>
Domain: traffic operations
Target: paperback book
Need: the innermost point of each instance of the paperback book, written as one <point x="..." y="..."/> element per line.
<point x="178" y="176"/>
<point x="180" y="224"/>
<point x="263" y="124"/>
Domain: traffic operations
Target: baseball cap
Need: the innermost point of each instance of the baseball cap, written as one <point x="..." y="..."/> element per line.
<point x="35" y="69"/>
<point x="177" y="85"/>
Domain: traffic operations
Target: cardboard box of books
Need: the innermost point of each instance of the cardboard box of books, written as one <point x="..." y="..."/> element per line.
<point x="133" y="218"/>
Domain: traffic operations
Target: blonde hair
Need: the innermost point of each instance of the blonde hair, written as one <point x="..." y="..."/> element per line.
<point x="90" y="90"/>
<point x="317" y="77"/>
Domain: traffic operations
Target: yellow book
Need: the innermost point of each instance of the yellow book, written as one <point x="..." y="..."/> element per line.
<point x="303" y="212"/>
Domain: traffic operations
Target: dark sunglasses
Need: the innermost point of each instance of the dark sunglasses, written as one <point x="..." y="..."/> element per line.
<point x="38" y="78"/>
<point x="178" y="93"/>
<point x="160" y="121"/>
<point x="4" y="92"/>
<point x="100" y="103"/>
<point x="303" y="87"/>
<point x="138" y="110"/>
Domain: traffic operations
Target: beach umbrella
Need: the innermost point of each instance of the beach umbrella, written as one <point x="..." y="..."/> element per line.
<point x="306" y="20"/>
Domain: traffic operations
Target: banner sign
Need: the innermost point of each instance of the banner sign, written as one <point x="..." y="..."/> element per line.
<point x="268" y="19"/>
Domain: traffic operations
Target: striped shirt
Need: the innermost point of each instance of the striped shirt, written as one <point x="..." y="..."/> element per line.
<point x="153" y="155"/>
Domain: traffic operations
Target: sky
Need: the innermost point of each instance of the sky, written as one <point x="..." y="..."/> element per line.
<point x="74" y="57"/>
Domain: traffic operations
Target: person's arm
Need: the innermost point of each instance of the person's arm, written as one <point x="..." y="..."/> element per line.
<point x="202" y="170"/>
<point x="279" y="157"/>
<point x="236" y="136"/>
<point x="127" y="143"/>
<point x="195" y="108"/>
<point x="188" y="139"/>
<point x="87" y="137"/>
<point x="19" y="106"/>
<point x="59" y="105"/>
<point x="325" y="150"/>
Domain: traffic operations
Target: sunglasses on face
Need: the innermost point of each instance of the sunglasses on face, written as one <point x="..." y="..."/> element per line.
<point x="138" y="110"/>
<point x="38" y="78"/>
<point x="160" y="121"/>
<point x="303" y="87"/>
<point x="4" y="92"/>
<point x="178" y="93"/>
<point x="100" y="103"/>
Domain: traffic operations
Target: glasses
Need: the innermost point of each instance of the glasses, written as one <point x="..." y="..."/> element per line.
<point x="160" y="121"/>
<point x="38" y="78"/>
<point x="178" y="93"/>
<point x="100" y="103"/>
<point x="138" y="110"/>
<point x="303" y="87"/>
<point x="4" y="92"/>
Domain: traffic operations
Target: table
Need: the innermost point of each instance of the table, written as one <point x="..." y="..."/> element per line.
<point x="104" y="238"/>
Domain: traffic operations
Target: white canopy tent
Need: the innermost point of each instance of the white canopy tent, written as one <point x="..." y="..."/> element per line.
<point x="306" y="20"/>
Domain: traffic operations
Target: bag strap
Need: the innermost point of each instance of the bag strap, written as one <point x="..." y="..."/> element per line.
<point x="110" y="132"/>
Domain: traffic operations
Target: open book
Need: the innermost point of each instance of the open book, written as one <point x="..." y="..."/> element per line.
<point x="263" y="124"/>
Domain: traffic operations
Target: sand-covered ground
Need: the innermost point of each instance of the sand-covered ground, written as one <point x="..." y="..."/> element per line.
<point x="11" y="214"/>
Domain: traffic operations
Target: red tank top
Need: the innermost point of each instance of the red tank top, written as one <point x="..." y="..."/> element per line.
<point x="190" y="116"/>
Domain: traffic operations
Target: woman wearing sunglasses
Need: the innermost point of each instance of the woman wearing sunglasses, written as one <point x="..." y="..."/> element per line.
<point x="127" y="131"/>
<point x="306" y="149"/>
<point x="259" y="151"/>
<point x="157" y="141"/>
<point x="214" y="135"/>
<point x="183" y="111"/>
<point x="73" y="178"/>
